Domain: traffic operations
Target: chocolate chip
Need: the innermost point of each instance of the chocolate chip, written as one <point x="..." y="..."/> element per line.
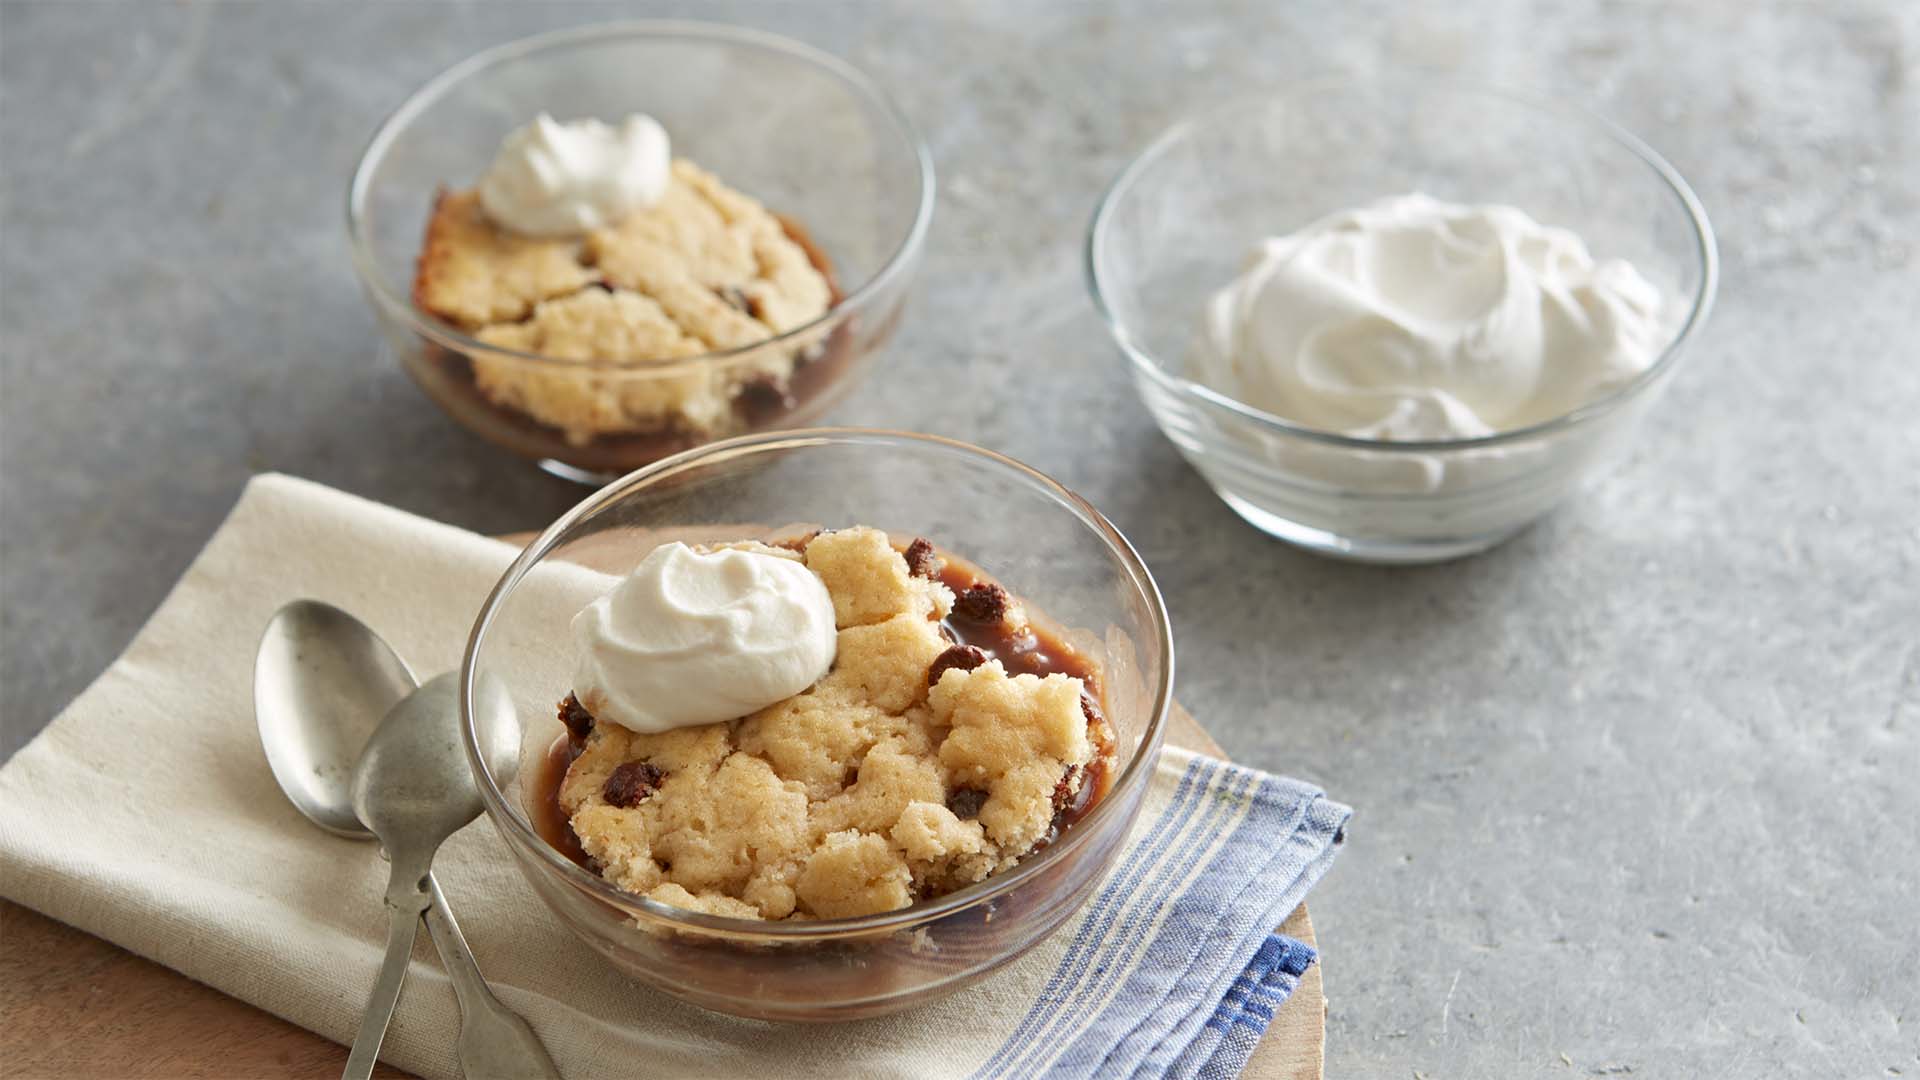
<point x="631" y="783"/>
<point x="762" y="400"/>
<point x="964" y="657"/>
<point x="1089" y="710"/>
<point x="921" y="561"/>
<point x="1064" y="791"/>
<point x="578" y="720"/>
<point x="966" y="802"/>
<point x="982" y="603"/>
<point x="737" y="299"/>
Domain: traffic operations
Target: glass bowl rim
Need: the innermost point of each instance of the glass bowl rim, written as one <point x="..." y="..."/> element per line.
<point x="1705" y="246"/>
<point x="1137" y="772"/>
<point x="397" y="122"/>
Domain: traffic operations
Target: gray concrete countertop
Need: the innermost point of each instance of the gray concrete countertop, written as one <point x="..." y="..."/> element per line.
<point x="1637" y="791"/>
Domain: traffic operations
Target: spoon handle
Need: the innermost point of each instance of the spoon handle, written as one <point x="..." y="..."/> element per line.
<point x="495" y="1043"/>
<point x="401" y="927"/>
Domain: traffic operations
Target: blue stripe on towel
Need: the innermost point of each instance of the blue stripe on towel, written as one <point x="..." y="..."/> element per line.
<point x="1199" y="949"/>
<point x="1175" y="970"/>
<point x="1104" y="1005"/>
<point x="1221" y="1048"/>
<point x="1255" y="908"/>
<point x="1115" y="941"/>
<point x="1078" y="955"/>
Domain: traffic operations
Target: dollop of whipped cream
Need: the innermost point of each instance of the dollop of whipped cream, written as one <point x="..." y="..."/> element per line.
<point x="1415" y="319"/>
<point x="695" y="637"/>
<point x="554" y="180"/>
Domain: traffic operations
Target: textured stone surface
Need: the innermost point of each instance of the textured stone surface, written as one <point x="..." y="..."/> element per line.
<point x="1636" y="791"/>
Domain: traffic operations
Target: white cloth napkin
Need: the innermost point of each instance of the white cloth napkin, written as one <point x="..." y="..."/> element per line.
<point x="146" y="814"/>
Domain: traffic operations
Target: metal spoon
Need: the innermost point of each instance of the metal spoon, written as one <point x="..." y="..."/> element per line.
<point x="322" y="683"/>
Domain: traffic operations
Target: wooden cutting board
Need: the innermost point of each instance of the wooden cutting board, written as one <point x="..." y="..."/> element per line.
<point x="73" y="1005"/>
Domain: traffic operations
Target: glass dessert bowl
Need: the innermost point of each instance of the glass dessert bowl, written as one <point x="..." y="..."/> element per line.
<point x="755" y="294"/>
<point x="1089" y="609"/>
<point x="1175" y="229"/>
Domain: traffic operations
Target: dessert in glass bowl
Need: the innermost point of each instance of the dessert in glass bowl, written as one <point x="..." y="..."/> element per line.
<point x="830" y="727"/>
<point x="819" y="766"/>
<point x="605" y="245"/>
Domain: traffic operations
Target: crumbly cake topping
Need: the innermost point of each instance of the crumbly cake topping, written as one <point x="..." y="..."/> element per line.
<point x="584" y="401"/>
<point x="704" y="268"/>
<point x="473" y="273"/>
<point x="899" y="775"/>
<point x="581" y="326"/>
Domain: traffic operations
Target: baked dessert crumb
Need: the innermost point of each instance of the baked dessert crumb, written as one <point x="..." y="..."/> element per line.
<point x="473" y="273"/>
<point x="913" y="768"/>
<point x="706" y="268"/>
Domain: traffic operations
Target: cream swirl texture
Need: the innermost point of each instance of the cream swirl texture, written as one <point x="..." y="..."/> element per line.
<point x="693" y="637"/>
<point x="1415" y="319"/>
<point x="552" y="179"/>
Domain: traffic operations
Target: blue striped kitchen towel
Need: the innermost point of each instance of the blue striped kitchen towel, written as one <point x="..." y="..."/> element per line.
<point x="1173" y="968"/>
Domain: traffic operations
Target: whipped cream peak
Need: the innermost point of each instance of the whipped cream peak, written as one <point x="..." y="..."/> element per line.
<point x="698" y="637"/>
<point x="554" y="179"/>
<point x="1415" y="319"/>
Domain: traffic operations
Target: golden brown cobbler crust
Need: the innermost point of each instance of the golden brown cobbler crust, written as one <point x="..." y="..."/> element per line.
<point x="836" y="802"/>
<point x="706" y="268"/>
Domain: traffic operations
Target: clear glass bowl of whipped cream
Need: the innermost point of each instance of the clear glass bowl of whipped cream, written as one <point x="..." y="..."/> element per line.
<point x="1399" y="321"/>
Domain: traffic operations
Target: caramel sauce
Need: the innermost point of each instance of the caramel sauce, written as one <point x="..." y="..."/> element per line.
<point x="549" y="820"/>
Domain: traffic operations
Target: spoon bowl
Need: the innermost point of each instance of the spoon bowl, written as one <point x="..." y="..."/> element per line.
<point x="412" y="786"/>
<point x="322" y="681"/>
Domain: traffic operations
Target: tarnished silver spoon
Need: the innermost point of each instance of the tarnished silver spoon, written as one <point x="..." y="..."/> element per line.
<point x="324" y="683"/>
